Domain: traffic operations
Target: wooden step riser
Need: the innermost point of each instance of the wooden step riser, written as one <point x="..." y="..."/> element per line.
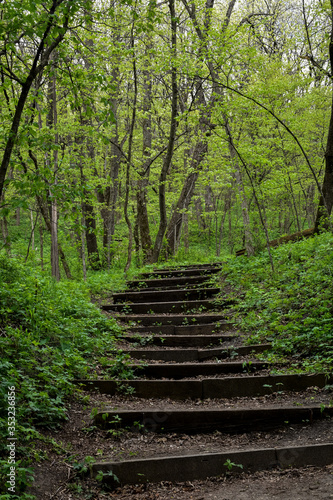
<point x="186" y="355"/>
<point x="182" y="330"/>
<point x="161" y="307"/>
<point x="190" y="266"/>
<point x="165" y="295"/>
<point x="176" y="372"/>
<point x="191" y="467"/>
<point x="180" y="273"/>
<point x="184" y="340"/>
<point x="171" y="287"/>
<point x="190" y="320"/>
<point x="165" y="282"/>
<point x="206" y="421"/>
<point x="228" y="387"/>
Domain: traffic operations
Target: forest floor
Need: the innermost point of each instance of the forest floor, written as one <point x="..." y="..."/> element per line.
<point x="64" y="474"/>
<point x="58" y="477"/>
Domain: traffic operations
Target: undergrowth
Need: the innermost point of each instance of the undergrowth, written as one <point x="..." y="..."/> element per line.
<point x="292" y="307"/>
<point x="50" y="334"/>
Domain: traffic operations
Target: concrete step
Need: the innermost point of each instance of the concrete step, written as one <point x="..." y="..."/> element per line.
<point x="161" y="307"/>
<point x="197" y="421"/>
<point x="181" y="340"/>
<point x="203" y="465"/>
<point x="186" y="355"/>
<point x="165" y="295"/>
<point x="175" y="319"/>
<point x="178" y="371"/>
<point x="227" y="387"/>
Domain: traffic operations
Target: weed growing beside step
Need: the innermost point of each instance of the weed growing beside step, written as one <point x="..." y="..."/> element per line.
<point x="293" y="307"/>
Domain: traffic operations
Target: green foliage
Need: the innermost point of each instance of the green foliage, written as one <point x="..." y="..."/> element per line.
<point x="50" y="334"/>
<point x="230" y="465"/>
<point x="292" y="307"/>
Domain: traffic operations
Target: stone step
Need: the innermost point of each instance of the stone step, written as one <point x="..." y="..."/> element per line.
<point x="186" y="355"/>
<point x="164" y="282"/>
<point x="165" y="295"/>
<point x="175" y="319"/>
<point x="178" y="371"/>
<point x="161" y="307"/>
<point x="195" y="421"/>
<point x="181" y="340"/>
<point x="180" y="272"/>
<point x="203" y="465"/>
<point x="227" y="387"/>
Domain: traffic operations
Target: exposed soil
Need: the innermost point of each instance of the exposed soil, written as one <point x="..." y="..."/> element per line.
<point x="57" y="477"/>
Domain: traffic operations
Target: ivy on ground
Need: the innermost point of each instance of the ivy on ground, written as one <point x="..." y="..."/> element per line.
<point x="50" y="334"/>
<point x="293" y="306"/>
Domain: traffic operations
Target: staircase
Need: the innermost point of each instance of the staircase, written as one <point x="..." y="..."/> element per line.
<point x="185" y="353"/>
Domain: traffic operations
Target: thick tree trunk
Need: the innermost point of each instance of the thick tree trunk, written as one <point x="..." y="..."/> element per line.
<point x="90" y="231"/>
<point x="326" y="197"/>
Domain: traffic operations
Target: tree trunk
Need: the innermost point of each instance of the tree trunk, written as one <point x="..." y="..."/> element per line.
<point x="141" y="197"/>
<point x="40" y="61"/>
<point x="248" y="239"/>
<point x="52" y="124"/>
<point x="172" y="135"/>
<point x="41" y="245"/>
<point x="175" y="225"/>
<point x="326" y="197"/>
<point x="47" y="221"/>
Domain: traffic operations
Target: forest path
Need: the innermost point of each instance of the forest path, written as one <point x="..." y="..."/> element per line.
<point x="204" y="405"/>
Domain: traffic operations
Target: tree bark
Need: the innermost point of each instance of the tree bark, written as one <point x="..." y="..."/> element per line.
<point x="142" y="212"/>
<point x="52" y="124"/>
<point x="204" y="126"/>
<point x="47" y="221"/>
<point x="326" y="197"/>
<point x="172" y="135"/>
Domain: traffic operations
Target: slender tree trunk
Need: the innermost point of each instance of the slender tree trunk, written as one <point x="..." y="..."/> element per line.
<point x="54" y="241"/>
<point x="41" y="245"/>
<point x="204" y="128"/>
<point x="40" y="61"/>
<point x="172" y="135"/>
<point x="83" y="252"/>
<point x="47" y="221"/>
<point x="248" y="239"/>
<point x="142" y="212"/>
<point x="52" y="124"/>
<point x="129" y="158"/>
<point x="174" y="227"/>
<point x="227" y="208"/>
